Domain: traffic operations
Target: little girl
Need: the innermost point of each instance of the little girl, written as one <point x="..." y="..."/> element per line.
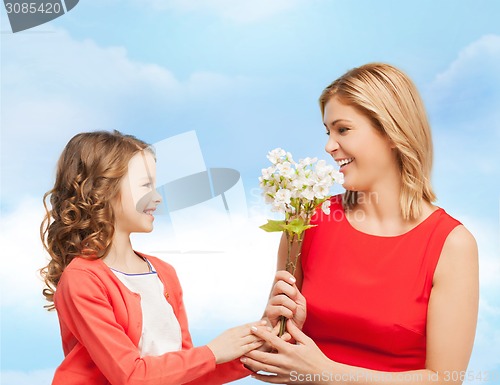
<point x="121" y="312"/>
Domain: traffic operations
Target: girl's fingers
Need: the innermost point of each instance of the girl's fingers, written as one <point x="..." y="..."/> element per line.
<point x="269" y="337"/>
<point x="251" y="346"/>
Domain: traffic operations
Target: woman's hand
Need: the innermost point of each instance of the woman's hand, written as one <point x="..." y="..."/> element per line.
<point x="286" y="300"/>
<point x="235" y="342"/>
<point x="288" y="361"/>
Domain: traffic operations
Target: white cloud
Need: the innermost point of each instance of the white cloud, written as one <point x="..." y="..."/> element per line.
<point x="223" y="287"/>
<point x="486" y="233"/>
<point x="229" y="280"/>
<point x="54" y="86"/>
<point x="485" y="357"/>
<point x="229" y="283"/>
<point x="467" y="92"/>
<point x="22" y="256"/>
<point x="242" y="11"/>
<point x="36" y="377"/>
<point x="486" y="352"/>
<point x="463" y="105"/>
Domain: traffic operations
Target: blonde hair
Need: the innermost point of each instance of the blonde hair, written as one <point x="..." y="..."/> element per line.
<point x="391" y="101"/>
<point x="80" y="221"/>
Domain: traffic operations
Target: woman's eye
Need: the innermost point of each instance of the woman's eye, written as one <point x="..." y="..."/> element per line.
<point x="327" y="132"/>
<point x="343" y="130"/>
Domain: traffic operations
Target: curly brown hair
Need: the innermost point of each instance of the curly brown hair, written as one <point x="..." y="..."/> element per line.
<point x="80" y="221"/>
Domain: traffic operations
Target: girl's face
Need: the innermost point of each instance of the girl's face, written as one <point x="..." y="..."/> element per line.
<point x="138" y="198"/>
<point x="364" y="155"/>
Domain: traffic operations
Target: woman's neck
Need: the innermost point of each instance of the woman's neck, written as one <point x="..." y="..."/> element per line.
<point x="378" y="209"/>
<point x="378" y="212"/>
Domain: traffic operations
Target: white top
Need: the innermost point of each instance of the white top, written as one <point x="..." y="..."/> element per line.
<point x="161" y="332"/>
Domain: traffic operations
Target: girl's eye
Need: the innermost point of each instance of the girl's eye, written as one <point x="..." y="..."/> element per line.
<point x="327" y="132"/>
<point x="343" y="130"/>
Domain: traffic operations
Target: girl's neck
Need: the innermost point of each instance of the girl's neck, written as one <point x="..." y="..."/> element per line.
<point x="122" y="256"/>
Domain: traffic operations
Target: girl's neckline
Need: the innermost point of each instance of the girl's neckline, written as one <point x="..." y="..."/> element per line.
<point x="151" y="268"/>
<point x="425" y="220"/>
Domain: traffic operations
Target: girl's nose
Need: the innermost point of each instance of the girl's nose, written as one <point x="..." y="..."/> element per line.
<point x="156" y="196"/>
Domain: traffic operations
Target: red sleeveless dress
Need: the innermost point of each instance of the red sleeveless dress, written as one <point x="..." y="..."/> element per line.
<point x="367" y="295"/>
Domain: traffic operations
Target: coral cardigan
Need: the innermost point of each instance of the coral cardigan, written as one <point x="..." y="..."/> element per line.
<point x="101" y="324"/>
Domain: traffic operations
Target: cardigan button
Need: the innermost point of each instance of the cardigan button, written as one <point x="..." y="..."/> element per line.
<point x="167" y="295"/>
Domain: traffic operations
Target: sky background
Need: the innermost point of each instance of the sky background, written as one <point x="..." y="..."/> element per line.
<point x="245" y="76"/>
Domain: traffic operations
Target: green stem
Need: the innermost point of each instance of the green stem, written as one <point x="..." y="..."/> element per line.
<point x="291" y="267"/>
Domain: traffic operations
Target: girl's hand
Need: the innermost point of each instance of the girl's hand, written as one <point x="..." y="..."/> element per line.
<point x="287" y="359"/>
<point x="286" y="300"/>
<point x="235" y="342"/>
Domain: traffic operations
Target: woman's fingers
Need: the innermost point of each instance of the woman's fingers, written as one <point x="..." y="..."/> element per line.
<point x="281" y="305"/>
<point x="286" y="288"/>
<point x="283" y="275"/>
<point x="295" y="333"/>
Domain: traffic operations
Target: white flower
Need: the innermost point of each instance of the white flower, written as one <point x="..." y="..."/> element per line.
<point x="283" y="196"/>
<point x="268" y="172"/>
<point x="294" y="189"/>
<point x="268" y="198"/>
<point x="321" y="190"/>
<point x="308" y="194"/>
<point x="337" y="176"/>
<point x="275" y="155"/>
<point x="307" y="161"/>
<point x="322" y="169"/>
<point x="285" y="169"/>
<point x="325" y="207"/>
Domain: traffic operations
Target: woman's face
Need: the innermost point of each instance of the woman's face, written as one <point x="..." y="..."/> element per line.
<point x="138" y="198"/>
<point x="365" y="156"/>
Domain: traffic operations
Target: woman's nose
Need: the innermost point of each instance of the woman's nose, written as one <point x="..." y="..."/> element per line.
<point x="332" y="145"/>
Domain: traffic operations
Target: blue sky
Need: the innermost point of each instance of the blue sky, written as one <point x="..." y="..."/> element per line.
<point x="245" y="76"/>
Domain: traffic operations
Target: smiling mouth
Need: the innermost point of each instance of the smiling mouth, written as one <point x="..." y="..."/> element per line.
<point x="344" y="162"/>
<point x="149" y="212"/>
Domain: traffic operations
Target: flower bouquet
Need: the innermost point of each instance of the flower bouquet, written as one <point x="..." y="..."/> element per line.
<point x="295" y="189"/>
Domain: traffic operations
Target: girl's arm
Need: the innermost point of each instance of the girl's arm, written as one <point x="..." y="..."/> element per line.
<point x="86" y="310"/>
<point x="223" y="373"/>
<point x="451" y="325"/>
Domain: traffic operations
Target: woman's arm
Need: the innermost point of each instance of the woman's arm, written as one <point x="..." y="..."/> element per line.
<point x="451" y="324"/>
<point x="453" y="305"/>
<point x="285" y="298"/>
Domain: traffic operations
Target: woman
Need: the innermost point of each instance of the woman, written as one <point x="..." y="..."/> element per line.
<point x="390" y="280"/>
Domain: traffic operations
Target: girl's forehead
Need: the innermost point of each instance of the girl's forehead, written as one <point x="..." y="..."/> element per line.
<point x="141" y="163"/>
